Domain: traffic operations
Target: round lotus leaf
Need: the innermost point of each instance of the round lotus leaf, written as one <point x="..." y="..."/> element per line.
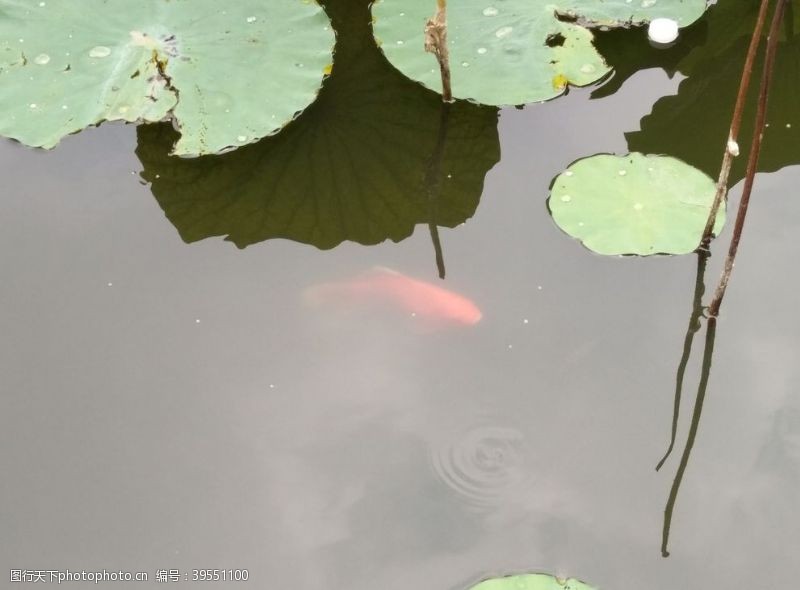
<point x="635" y="204"/>
<point x="225" y="73"/>
<point x="510" y="52"/>
<point x="531" y="582"/>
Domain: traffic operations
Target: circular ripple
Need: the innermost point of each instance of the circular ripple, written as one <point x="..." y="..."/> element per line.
<point x="482" y="465"/>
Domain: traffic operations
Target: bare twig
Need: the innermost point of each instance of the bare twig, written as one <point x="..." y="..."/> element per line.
<point x="436" y="43"/>
<point x="752" y="162"/>
<point x="732" y="147"/>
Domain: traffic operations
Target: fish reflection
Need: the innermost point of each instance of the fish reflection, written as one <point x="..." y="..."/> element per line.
<point x="435" y="306"/>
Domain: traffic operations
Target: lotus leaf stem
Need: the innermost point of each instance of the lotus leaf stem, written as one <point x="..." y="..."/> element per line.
<point x="731" y="146"/>
<point x="436" y="43"/>
<point x="752" y="161"/>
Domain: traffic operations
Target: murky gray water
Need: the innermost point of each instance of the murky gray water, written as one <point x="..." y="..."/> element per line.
<point x="174" y="406"/>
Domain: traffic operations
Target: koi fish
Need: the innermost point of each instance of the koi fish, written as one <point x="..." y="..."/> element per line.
<point x="421" y="299"/>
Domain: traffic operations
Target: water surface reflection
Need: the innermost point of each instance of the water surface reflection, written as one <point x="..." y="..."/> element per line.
<point x="356" y="166"/>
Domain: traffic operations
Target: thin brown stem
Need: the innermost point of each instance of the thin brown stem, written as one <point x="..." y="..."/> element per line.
<point x="436" y="43"/>
<point x="755" y="151"/>
<point x="731" y="146"/>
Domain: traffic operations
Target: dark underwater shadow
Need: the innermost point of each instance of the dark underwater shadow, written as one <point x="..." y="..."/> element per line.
<point x="695" y="324"/>
<point x="693" y="124"/>
<point x="356" y="165"/>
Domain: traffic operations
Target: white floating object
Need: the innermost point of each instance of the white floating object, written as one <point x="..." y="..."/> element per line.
<point x="663" y="30"/>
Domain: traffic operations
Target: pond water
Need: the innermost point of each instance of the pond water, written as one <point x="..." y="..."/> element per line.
<point x="174" y="405"/>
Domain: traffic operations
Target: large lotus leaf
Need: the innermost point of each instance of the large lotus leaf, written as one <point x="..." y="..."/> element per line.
<point x="635" y="204"/>
<point x="514" y="51"/>
<point x="227" y="73"/>
<point x="693" y="125"/>
<point x="531" y="582"/>
<point x="351" y="168"/>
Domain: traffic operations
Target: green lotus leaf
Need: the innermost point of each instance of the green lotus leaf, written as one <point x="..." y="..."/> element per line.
<point x="635" y="204"/>
<point x="352" y="167"/>
<point x="226" y="74"/>
<point x="510" y="52"/>
<point x="531" y="582"/>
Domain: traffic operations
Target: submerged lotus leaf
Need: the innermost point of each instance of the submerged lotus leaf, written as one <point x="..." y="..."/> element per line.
<point x="227" y="73"/>
<point x="353" y="167"/>
<point x="635" y="204"/>
<point x="509" y="52"/>
<point x="531" y="582"/>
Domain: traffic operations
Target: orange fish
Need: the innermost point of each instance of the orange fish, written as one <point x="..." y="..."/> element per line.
<point x="421" y="299"/>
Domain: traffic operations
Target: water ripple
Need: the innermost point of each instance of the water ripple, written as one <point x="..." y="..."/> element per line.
<point x="483" y="465"/>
